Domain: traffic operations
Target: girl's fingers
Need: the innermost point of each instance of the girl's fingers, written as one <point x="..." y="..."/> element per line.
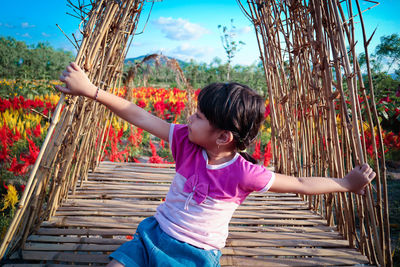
<point x="62" y="78"/>
<point x="60" y="88"/>
<point x="364" y="167"/>
<point x="65" y="73"/>
<point x="372" y="175"/>
<point x="69" y="68"/>
<point x="75" y="66"/>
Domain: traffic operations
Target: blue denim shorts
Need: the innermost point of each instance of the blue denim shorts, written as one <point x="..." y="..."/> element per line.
<point x="151" y="246"/>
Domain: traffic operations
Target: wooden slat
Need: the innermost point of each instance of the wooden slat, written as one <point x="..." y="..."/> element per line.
<point x="301" y="252"/>
<point x="268" y="229"/>
<point x="64" y="257"/>
<point x="80" y="240"/>
<point x="272" y="262"/>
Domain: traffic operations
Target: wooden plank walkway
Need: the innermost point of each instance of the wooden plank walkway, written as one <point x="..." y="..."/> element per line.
<point x="267" y="229"/>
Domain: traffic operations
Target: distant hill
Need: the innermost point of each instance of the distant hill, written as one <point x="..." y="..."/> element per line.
<point x="130" y="61"/>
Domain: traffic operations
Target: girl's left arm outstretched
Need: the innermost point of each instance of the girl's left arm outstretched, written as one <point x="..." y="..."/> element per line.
<point x="355" y="181"/>
<point x="77" y="83"/>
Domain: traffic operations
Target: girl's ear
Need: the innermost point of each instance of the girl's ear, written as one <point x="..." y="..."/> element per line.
<point x="225" y="137"/>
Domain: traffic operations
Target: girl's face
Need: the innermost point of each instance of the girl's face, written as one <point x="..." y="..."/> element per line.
<point x="201" y="132"/>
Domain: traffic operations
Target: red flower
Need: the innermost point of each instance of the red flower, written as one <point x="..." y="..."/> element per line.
<point x="120" y="134"/>
<point x="162" y="144"/>
<point x="159" y="107"/>
<point x="33" y="153"/>
<point x="7" y="140"/>
<point x="15" y="103"/>
<point x="136" y="138"/>
<point x="4" y="152"/>
<point x="141" y="103"/>
<point x="267" y="111"/>
<point x="115" y="155"/>
<point x="38" y="103"/>
<point x="17" y="168"/>
<point x="4" y="104"/>
<point x="257" y="151"/>
<point x="386" y="99"/>
<point x="267" y="154"/>
<point x="17" y="135"/>
<point x="154" y="158"/>
<point x="36" y="131"/>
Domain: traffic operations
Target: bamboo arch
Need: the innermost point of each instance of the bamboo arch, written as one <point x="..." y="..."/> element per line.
<point x="308" y="71"/>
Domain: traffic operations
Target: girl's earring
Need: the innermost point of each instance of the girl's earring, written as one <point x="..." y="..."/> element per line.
<point x="218" y="146"/>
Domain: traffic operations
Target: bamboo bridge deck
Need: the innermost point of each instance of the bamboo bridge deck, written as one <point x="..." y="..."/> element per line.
<point x="267" y="229"/>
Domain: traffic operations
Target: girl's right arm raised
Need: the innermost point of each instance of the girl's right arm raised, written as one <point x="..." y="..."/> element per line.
<point x="77" y="83"/>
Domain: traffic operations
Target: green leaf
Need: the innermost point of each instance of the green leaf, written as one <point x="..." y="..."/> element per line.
<point x="384" y="114"/>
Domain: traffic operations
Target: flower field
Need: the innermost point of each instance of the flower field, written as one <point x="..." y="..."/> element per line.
<point x="26" y="107"/>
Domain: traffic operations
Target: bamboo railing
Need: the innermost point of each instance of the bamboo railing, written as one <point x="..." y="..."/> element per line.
<point x="309" y="71"/>
<point x="73" y="144"/>
<point x="314" y="82"/>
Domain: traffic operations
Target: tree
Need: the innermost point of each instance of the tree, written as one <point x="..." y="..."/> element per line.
<point x="387" y="53"/>
<point x="229" y="43"/>
<point x="41" y="61"/>
<point x="12" y="53"/>
<point x="389" y="48"/>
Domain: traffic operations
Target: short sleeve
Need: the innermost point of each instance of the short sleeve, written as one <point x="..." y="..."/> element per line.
<point x="258" y="178"/>
<point x="179" y="142"/>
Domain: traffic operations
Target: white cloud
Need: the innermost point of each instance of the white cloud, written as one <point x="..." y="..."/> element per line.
<point x="7" y="25"/>
<point x="180" y="29"/>
<point x="244" y="30"/>
<point x="137" y="44"/>
<point x="25" y="35"/>
<point x="186" y="51"/>
<point x="26" y="25"/>
<point x="45" y="34"/>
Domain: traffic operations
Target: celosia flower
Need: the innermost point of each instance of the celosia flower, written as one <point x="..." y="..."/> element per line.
<point x="267" y="154"/>
<point x="257" y="150"/>
<point x="10" y="199"/>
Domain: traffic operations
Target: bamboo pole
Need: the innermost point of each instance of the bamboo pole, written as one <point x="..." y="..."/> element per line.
<point x="107" y="25"/>
<point x="325" y="139"/>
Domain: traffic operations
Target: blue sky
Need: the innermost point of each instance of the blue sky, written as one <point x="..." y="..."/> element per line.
<point x="185" y="29"/>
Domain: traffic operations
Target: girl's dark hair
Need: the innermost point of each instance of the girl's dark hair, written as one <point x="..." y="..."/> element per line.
<point x="234" y="107"/>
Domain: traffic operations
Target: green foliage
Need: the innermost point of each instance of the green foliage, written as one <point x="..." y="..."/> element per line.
<point x="5" y="220"/>
<point x="389" y="48"/>
<point x="41" y="61"/>
<point x="265" y="137"/>
<point x="26" y="88"/>
<point x="385" y="71"/>
<point x="231" y="46"/>
<point x="202" y="74"/>
<point x="384" y="84"/>
<point x="166" y="154"/>
<point x="386" y="57"/>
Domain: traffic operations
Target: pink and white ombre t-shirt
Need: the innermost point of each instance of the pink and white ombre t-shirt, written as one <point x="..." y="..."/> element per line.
<point x="203" y="197"/>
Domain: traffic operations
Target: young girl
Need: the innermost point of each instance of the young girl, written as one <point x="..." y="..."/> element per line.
<point x="212" y="176"/>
